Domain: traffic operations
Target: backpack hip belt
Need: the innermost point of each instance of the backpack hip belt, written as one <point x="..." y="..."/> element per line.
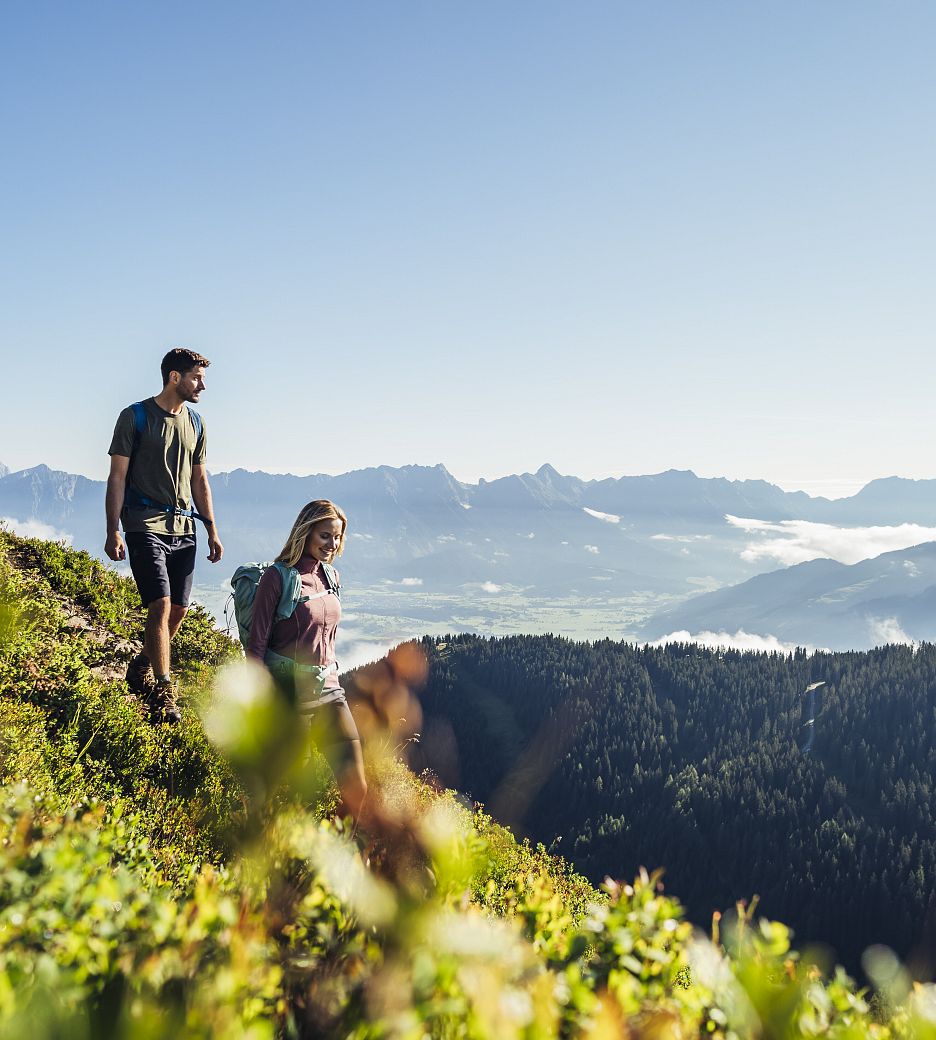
<point x="134" y="500"/>
<point x="277" y="662"/>
<point x="309" y="678"/>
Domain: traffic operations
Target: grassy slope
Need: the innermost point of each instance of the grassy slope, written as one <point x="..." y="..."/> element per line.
<point x="143" y="893"/>
<point x="74" y="735"/>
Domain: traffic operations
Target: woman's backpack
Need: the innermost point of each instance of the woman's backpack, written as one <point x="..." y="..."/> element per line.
<point x="244" y="583"/>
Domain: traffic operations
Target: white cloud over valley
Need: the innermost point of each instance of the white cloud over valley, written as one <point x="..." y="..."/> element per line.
<point x="796" y="541"/>
<point x="35" y="529"/>
<point x="354" y="650"/>
<point x="739" y="640"/>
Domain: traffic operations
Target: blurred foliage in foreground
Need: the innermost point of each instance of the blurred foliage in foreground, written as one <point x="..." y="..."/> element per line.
<point x="156" y="884"/>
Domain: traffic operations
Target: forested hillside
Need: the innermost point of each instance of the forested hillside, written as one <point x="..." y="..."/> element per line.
<point x="705" y="762"/>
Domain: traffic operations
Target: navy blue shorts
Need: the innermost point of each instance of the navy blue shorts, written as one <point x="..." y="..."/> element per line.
<point x="162" y="565"/>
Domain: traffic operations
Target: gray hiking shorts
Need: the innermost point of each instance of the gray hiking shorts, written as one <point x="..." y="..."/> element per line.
<point x="163" y="565"/>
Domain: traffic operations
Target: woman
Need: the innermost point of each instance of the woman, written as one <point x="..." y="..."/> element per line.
<point x="300" y="650"/>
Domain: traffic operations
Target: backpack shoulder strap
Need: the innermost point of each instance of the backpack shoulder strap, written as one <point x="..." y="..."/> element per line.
<point x="139" y="422"/>
<point x="331" y="579"/>
<point x="139" y="416"/>
<point x="196" y="422"/>
<point x="291" y="595"/>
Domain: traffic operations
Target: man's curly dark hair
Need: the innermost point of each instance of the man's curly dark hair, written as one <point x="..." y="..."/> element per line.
<point x="181" y="360"/>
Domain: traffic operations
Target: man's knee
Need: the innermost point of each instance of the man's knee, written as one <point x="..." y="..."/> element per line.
<point x="158" y="610"/>
<point x="176" y="613"/>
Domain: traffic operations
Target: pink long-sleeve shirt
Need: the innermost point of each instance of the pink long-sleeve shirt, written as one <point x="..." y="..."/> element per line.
<point x="309" y="635"/>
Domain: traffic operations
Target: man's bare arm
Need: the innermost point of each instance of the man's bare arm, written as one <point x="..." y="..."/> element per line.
<point x="113" y="503"/>
<point x="201" y="495"/>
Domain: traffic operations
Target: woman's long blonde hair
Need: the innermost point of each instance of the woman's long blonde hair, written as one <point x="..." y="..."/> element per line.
<point x="311" y="514"/>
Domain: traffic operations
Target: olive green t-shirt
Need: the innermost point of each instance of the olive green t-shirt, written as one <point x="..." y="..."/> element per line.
<point x="160" y="466"/>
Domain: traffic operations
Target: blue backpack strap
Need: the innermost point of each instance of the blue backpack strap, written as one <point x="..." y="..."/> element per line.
<point x="132" y="498"/>
<point x="196" y="423"/>
<point x="139" y="422"/>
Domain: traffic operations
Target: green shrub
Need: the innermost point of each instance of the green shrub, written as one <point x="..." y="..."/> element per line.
<point x="77" y="576"/>
<point x="154" y="884"/>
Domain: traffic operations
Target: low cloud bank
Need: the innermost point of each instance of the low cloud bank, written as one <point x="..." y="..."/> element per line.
<point x="881" y="631"/>
<point x="355" y="652"/>
<point x="740" y="640"/>
<point x="797" y="541"/>
<point x="35" y="529"/>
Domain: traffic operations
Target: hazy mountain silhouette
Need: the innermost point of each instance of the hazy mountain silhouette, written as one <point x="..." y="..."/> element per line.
<point x="544" y="535"/>
<point x="821" y="603"/>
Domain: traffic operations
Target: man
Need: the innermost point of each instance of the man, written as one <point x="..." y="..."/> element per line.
<point x="157" y="470"/>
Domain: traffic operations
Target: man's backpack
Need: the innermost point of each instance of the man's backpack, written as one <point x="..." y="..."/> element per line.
<point x="133" y="499"/>
<point x="245" y="581"/>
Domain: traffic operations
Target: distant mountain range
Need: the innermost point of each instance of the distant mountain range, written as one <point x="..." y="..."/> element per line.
<point x="658" y="539"/>
<point x="821" y="603"/>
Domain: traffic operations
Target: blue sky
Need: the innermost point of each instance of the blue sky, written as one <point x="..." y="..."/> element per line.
<point x="616" y="237"/>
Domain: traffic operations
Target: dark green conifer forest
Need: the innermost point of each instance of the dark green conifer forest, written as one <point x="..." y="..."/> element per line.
<point x="705" y="762"/>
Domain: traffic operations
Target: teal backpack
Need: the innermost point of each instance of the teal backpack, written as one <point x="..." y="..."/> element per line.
<point x="244" y="584"/>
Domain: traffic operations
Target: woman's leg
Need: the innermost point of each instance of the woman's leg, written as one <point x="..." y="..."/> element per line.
<point x="337" y="737"/>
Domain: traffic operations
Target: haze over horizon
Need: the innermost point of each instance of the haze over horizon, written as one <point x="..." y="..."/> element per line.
<point x="668" y="556"/>
<point x="830" y="488"/>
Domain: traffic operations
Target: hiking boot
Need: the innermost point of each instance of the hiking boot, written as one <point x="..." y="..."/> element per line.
<point x="162" y="703"/>
<point x="140" y="678"/>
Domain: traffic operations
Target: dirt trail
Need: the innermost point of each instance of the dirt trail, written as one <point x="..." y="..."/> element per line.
<point x="119" y="651"/>
<point x="115" y="651"/>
